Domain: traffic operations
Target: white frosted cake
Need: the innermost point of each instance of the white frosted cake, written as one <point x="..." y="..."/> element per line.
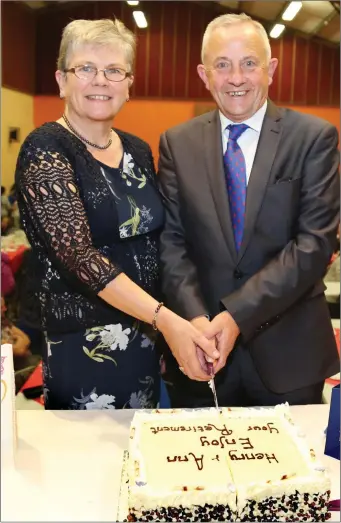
<point x="227" y="465"/>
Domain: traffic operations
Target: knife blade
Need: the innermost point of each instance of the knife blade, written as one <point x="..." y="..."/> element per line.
<point x="211" y="384"/>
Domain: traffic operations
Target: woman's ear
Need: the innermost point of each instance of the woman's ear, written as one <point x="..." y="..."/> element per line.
<point x="61" y="80"/>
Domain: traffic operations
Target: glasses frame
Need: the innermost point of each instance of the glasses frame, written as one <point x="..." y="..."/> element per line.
<point x="73" y="71"/>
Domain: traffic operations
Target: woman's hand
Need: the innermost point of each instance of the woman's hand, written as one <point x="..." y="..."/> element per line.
<point x="185" y="342"/>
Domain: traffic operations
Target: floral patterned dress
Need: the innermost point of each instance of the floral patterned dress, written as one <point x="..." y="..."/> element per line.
<point x="114" y="366"/>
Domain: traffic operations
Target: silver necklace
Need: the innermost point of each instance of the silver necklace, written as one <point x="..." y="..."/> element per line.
<point x="102" y="147"/>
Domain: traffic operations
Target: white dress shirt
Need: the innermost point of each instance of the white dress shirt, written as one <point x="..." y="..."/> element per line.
<point x="248" y="141"/>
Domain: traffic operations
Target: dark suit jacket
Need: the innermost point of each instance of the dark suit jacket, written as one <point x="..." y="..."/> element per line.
<point x="273" y="286"/>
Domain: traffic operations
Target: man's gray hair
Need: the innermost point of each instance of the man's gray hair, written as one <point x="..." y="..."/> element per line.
<point x="96" y="32"/>
<point x="232" y="19"/>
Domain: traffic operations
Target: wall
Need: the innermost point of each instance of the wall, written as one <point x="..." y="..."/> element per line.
<point x="16" y="111"/>
<point x="168" y="52"/>
<point x="149" y="118"/>
<point x="18" y="38"/>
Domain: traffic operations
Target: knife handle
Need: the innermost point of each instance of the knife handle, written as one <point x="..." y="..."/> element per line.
<point x="210" y="369"/>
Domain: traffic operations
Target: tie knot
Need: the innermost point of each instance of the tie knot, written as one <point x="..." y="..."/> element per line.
<point x="236" y="130"/>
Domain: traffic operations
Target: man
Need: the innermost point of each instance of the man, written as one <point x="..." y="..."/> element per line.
<point x="252" y="198"/>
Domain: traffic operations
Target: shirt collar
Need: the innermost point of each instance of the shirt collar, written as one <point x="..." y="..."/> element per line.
<point x="255" y="122"/>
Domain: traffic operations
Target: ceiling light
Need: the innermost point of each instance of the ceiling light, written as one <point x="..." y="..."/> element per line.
<point x="291" y="11"/>
<point x="133" y="3"/>
<point x="140" y="19"/>
<point x="277" y="30"/>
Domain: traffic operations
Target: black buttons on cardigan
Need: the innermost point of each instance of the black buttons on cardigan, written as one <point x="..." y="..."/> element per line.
<point x="238" y="274"/>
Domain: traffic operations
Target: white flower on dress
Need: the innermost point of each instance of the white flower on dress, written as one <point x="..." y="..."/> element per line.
<point x="124" y="233"/>
<point x="143" y="399"/>
<point x="146" y="341"/>
<point x="128" y="161"/>
<point x="146" y="218"/>
<point x="140" y="400"/>
<point x="114" y="336"/>
<point x="145" y="213"/>
<point x="100" y="402"/>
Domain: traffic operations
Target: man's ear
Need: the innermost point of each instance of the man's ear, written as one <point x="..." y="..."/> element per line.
<point x="203" y="75"/>
<point x="271" y="69"/>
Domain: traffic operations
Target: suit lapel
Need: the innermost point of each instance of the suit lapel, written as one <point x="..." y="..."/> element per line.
<point x="215" y="171"/>
<point x="261" y="169"/>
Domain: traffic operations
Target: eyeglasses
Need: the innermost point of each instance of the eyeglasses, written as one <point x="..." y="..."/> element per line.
<point x="88" y="72"/>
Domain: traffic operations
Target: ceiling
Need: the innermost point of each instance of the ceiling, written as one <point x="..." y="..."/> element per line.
<point x="319" y="19"/>
<point x="315" y="19"/>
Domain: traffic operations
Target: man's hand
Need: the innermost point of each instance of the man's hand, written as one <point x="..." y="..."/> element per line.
<point x="225" y="330"/>
<point x="186" y="341"/>
<point x="202" y="323"/>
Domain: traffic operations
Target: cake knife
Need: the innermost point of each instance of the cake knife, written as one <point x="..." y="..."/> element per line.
<point x="211" y="384"/>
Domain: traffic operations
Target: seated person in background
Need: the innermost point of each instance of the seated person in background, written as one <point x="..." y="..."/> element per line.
<point x="13" y="202"/>
<point x="7" y="278"/>
<point x="92" y="212"/>
<point x="333" y="275"/>
<point x="4" y="200"/>
<point x="5" y="212"/>
<point x="11" y="334"/>
<point x="12" y="197"/>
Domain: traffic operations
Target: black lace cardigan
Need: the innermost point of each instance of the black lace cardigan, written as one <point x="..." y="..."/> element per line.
<point x="59" y="182"/>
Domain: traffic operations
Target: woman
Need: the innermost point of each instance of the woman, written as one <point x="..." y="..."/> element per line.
<point x="91" y="210"/>
<point x="13" y="335"/>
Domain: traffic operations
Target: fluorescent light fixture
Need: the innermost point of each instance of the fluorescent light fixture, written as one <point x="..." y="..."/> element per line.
<point x="291" y="11"/>
<point x="277" y="30"/>
<point x="140" y="19"/>
<point x="135" y="2"/>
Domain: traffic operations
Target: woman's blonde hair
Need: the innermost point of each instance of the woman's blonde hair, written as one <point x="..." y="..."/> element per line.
<point x="96" y="32"/>
<point x="232" y="19"/>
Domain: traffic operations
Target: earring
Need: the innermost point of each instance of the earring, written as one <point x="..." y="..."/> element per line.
<point x="127" y="99"/>
<point x="61" y="96"/>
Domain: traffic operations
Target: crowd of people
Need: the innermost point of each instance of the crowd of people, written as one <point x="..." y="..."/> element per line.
<point x="10" y="218"/>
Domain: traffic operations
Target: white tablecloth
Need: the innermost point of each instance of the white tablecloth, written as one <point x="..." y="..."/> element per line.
<point x="332" y="291"/>
<point x="69" y="463"/>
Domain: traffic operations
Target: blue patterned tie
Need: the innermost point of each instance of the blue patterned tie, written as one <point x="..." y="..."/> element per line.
<point x="235" y="172"/>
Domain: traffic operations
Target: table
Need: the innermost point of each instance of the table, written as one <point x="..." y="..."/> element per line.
<point x="332" y="291"/>
<point x="69" y="463"/>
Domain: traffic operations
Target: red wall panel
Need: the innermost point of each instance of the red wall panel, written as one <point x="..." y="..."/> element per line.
<point x="198" y="23"/>
<point x="313" y="70"/>
<point x="155" y="21"/>
<point x="183" y="38"/>
<point x="336" y="79"/>
<point x="300" y="70"/>
<point x="325" y="76"/>
<point x="275" y="53"/>
<point x="168" y="61"/>
<point x="288" y="73"/>
<point x="168" y="51"/>
<point x="18" y="38"/>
